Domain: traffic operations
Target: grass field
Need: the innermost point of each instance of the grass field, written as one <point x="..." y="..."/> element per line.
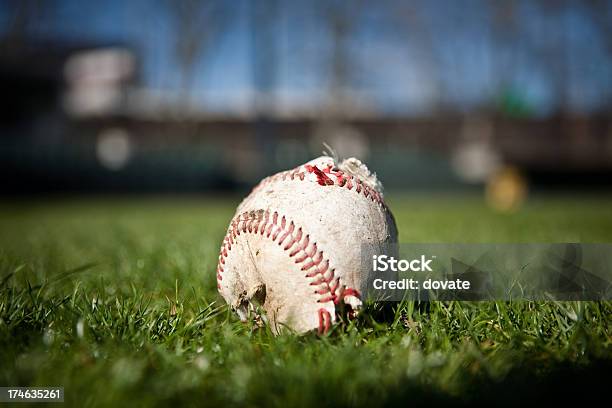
<point x="115" y="300"/>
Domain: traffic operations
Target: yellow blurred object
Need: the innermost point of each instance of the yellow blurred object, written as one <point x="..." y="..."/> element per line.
<point x="506" y="190"/>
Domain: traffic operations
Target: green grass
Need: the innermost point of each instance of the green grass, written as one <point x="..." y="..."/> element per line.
<point x="116" y="301"/>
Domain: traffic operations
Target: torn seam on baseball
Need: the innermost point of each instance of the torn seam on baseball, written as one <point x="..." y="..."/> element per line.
<point x="356" y="168"/>
<point x="244" y="305"/>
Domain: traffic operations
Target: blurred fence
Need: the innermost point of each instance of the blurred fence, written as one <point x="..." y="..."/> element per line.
<point x="123" y="154"/>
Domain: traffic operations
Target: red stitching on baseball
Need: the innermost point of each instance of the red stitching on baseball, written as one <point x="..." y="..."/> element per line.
<point x="322" y="177"/>
<point x="286" y="233"/>
<point x="351" y="292"/>
<point x="293" y="241"/>
<point x="301" y="258"/>
<point x="266" y="218"/>
<point x="359" y="184"/>
<point x="335" y="286"/>
<point x="328" y="176"/>
<point x="278" y="230"/>
<point x="324" y="321"/>
<point x="313" y="250"/>
<point x="325" y="280"/>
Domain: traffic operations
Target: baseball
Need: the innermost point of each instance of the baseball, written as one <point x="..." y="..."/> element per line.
<point x="294" y="244"/>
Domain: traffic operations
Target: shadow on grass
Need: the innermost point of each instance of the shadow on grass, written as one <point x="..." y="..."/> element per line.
<point x="564" y="384"/>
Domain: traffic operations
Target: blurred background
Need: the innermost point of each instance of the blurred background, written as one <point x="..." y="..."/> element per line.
<point x="186" y="96"/>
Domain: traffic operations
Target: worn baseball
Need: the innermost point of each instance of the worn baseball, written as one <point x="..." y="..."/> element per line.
<point x="294" y="246"/>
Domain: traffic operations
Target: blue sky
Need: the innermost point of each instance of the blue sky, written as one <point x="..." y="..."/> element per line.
<point x="391" y="68"/>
